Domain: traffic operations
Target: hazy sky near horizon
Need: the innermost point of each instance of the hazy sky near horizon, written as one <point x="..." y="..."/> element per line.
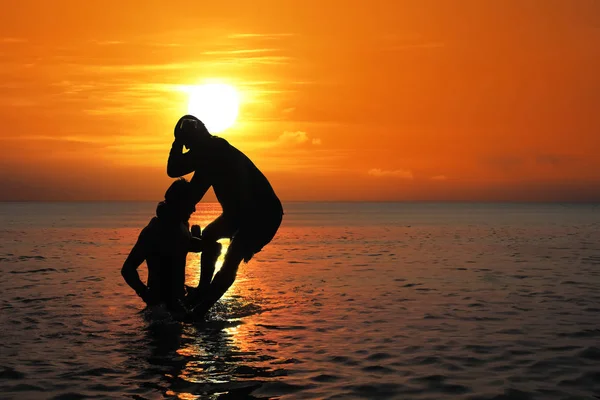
<point x="340" y="100"/>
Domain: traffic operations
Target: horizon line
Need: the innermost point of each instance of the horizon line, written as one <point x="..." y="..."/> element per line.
<point x="591" y="201"/>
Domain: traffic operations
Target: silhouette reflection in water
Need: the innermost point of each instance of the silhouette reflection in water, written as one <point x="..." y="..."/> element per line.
<point x="206" y="359"/>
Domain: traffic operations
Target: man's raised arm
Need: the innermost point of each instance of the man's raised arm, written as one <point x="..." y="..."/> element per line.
<point x="179" y="163"/>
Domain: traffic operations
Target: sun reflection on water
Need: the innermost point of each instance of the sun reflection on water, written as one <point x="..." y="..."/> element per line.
<point x="192" y="265"/>
<point x="183" y="395"/>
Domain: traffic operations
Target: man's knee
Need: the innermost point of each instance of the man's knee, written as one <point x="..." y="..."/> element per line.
<point x="230" y="266"/>
<point x="220" y="228"/>
<point x="229" y="276"/>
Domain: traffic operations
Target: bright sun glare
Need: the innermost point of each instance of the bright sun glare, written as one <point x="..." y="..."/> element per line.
<point x="215" y="104"/>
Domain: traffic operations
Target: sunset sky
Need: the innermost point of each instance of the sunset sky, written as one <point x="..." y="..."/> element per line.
<point x="340" y="100"/>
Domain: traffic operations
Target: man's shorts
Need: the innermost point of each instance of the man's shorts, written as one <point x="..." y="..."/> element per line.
<point x="249" y="234"/>
<point x="256" y="232"/>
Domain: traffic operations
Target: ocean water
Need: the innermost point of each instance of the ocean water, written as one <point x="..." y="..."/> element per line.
<point x="350" y="300"/>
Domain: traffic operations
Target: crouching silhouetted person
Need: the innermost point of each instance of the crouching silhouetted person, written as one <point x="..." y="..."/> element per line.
<point x="164" y="244"/>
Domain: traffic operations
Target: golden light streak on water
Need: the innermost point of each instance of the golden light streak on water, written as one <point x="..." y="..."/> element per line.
<point x="205" y="215"/>
<point x="192" y="265"/>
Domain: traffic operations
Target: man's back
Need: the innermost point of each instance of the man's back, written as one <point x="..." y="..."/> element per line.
<point x="239" y="185"/>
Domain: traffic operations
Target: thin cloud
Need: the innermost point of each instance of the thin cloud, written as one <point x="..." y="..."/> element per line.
<point x="139" y="67"/>
<point x="165" y="44"/>
<point x="107" y="42"/>
<point x="145" y="107"/>
<point x="239" y="51"/>
<point x="265" y="60"/>
<point x="293" y="137"/>
<point x="319" y="161"/>
<point x="183" y="66"/>
<point x="12" y="40"/>
<point x="134" y="43"/>
<point x="260" y="35"/>
<point x="71" y="138"/>
<point x="109" y="98"/>
<point x="397" y="173"/>
<point x="297" y="137"/>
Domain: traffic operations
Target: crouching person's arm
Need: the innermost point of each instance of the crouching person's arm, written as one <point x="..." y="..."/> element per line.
<point x="129" y="270"/>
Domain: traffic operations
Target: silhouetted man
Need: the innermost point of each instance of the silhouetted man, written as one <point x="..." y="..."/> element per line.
<point x="252" y="213"/>
<point x="164" y="244"/>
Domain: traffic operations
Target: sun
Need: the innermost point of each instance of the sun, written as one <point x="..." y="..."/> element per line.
<point x="215" y="104"/>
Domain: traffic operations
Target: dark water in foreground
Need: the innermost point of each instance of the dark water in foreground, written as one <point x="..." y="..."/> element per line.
<point x="402" y="301"/>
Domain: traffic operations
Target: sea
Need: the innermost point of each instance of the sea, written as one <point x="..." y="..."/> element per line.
<point x="475" y="301"/>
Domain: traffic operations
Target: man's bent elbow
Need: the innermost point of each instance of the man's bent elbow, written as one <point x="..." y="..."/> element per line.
<point x="172" y="172"/>
<point x="125" y="272"/>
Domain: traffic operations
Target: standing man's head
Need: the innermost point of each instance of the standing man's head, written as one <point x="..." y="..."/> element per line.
<point x="179" y="202"/>
<point x="190" y="131"/>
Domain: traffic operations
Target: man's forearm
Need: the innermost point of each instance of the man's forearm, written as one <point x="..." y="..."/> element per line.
<point x="174" y="159"/>
<point x="206" y="274"/>
<point x="196" y="245"/>
<point x="207" y="264"/>
<point x="133" y="280"/>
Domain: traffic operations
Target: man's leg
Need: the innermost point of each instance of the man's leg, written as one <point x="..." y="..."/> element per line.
<point x="223" y="279"/>
<point x="245" y="243"/>
<point x="218" y="229"/>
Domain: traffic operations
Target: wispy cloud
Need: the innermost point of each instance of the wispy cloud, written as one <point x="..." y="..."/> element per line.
<point x="228" y="61"/>
<point x="107" y="42"/>
<point x="397" y="173"/>
<point x="89" y="139"/>
<point x="318" y="161"/>
<point x="139" y="67"/>
<point x="135" y="43"/>
<point x="264" y="60"/>
<point x="12" y="40"/>
<point x="297" y="137"/>
<point x="239" y="51"/>
<point x="118" y="110"/>
<point x="293" y="137"/>
<point x="68" y="138"/>
<point x="115" y="96"/>
<point x="260" y="35"/>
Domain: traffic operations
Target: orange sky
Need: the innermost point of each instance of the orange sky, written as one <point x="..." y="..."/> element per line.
<point x="341" y="100"/>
